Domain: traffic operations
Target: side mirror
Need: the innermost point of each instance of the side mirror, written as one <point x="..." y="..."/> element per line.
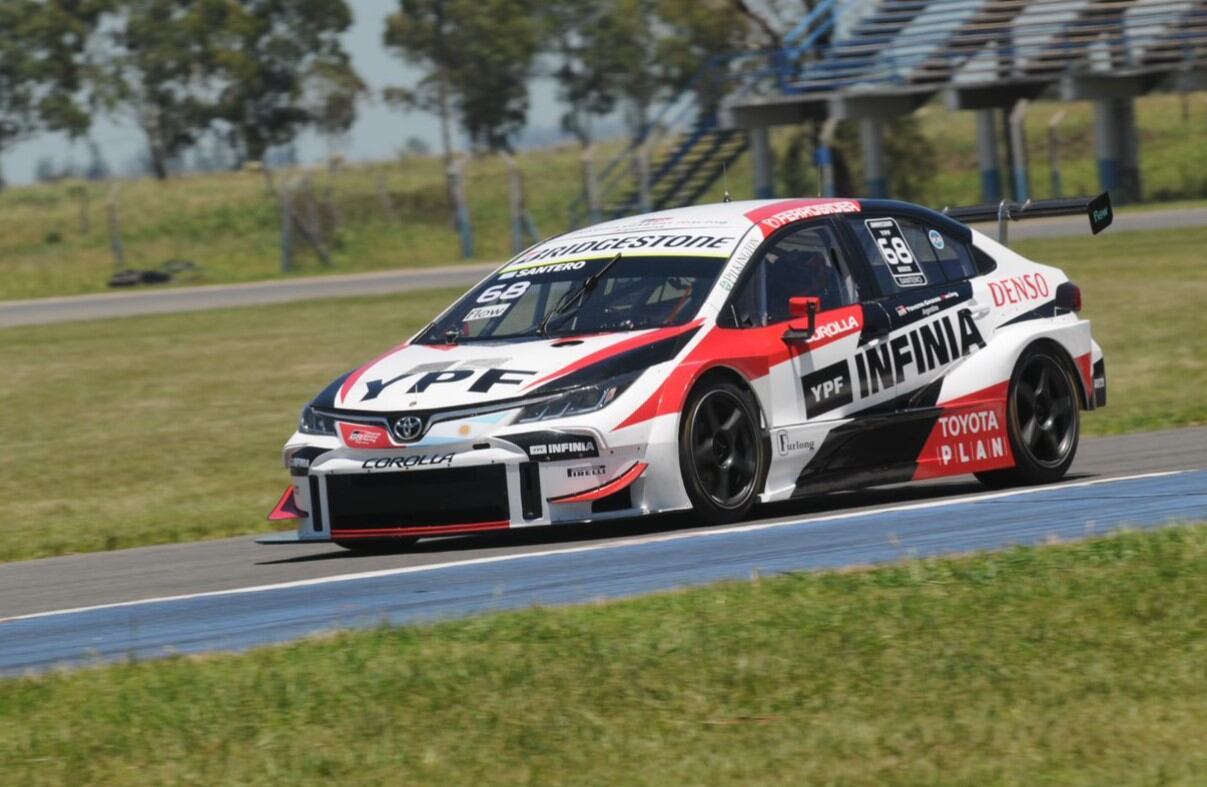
<point x="807" y="307"/>
<point x="804" y="306"/>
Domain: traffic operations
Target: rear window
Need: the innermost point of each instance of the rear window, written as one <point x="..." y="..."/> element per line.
<point x="905" y="254"/>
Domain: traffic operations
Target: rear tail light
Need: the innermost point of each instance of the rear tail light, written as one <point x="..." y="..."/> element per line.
<point x="1068" y="297"/>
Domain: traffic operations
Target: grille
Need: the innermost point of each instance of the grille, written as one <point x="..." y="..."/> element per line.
<point x="428" y="498"/>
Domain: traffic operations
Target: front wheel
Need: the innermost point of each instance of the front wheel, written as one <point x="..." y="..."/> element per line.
<point x="1043" y="422"/>
<point x="721" y="454"/>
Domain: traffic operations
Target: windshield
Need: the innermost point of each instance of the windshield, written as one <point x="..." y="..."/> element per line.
<point x="633" y="294"/>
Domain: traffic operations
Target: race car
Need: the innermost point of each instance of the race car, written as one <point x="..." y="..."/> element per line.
<point x="707" y="359"/>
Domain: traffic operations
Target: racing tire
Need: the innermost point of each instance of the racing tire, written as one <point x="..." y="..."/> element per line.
<point x="1042" y="421"/>
<point x="377" y="546"/>
<point x="722" y="456"/>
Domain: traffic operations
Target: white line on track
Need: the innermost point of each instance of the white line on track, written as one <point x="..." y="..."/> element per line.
<point x="617" y="544"/>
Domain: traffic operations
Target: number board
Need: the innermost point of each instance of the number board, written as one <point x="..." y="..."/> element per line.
<point x="900" y="258"/>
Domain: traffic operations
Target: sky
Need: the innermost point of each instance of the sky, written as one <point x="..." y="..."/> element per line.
<point x="380" y="131"/>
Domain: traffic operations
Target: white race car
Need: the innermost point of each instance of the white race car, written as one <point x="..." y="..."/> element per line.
<point x="705" y="358"/>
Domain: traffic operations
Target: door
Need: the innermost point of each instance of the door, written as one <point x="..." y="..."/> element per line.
<point x="810" y="385"/>
<point x="922" y="277"/>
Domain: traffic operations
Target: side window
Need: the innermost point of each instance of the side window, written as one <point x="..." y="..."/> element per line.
<point x="808" y="261"/>
<point x="905" y="254"/>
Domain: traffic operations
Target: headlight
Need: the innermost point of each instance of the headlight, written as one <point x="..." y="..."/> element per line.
<point x="576" y="401"/>
<point x="313" y="422"/>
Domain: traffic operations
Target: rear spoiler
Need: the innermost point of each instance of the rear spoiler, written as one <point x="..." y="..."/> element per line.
<point x="1098" y="209"/>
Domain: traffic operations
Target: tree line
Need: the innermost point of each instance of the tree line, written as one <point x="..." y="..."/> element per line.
<point x="256" y="73"/>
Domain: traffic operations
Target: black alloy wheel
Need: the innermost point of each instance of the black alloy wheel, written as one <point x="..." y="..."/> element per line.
<point x="377" y="546"/>
<point x="1043" y="421"/>
<point x="721" y="453"/>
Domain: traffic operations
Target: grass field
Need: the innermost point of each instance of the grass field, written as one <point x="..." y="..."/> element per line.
<point x="1082" y="664"/>
<point x="161" y="429"/>
<point x="229" y="222"/>
<point x="1144" y="293"/>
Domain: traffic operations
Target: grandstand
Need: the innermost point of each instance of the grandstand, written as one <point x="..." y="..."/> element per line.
<point x="868" y="61"/>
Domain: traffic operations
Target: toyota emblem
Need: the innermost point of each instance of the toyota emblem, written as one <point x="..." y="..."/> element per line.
<point x="408" y="427"/>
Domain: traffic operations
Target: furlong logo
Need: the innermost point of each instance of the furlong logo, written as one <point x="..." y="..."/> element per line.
<point x="408" y="427"/>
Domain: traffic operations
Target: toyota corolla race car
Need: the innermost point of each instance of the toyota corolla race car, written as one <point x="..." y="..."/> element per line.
<point x="706" y="358"/>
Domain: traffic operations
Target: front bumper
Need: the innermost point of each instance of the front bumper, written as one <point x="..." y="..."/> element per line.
<point x="492" y="483"/>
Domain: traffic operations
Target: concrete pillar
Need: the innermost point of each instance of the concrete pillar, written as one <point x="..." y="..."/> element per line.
<point x="871" y="135"/>
<point x="987" y="155"/>
<point x="825" y="157"/>
<point x="1117" y="146"/>
<point x="1129" y="139"/>
<point x="764" y="163"/>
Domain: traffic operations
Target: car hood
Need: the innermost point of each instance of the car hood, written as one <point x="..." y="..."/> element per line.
<point x="435" y="377"/>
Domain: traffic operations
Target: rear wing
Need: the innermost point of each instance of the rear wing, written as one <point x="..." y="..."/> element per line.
<point x="1098" y="209"/>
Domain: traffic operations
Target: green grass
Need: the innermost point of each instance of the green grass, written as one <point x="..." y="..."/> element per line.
<point x="229" y="222"/>
<point x="1145" y="293"/>
<point x="1071" y="665"/>
<point x="163" y="429"/>
<point x="1168" y="142"/>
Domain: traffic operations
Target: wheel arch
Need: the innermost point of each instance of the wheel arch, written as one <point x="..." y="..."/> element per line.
<point x="1066" y="360"/>
<point x="727" y="374"/>
<point x="724" y="373"/>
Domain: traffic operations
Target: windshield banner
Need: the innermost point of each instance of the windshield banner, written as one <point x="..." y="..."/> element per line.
<point x="687" y="244"/>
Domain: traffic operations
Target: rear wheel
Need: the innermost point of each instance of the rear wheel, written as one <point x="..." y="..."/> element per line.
<point x="377" y="546"/>
<point x="1042" y="419"/>
<point x="721" y="455"/>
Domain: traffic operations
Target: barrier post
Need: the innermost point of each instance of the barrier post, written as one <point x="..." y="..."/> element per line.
<point x="456" y="175"/>
<point x="825" y="158"/>
<point x="515" y="203"/>
<point x="384" y="199"/>
<point x="591" y="186"/>
<point x="284" y="197"/>
<point x="115" y="227"/>
<point x="1054" y="154"/>
<point x="643" y="174"/>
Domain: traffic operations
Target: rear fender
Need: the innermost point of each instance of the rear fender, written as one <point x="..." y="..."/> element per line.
<point x="995" y="363"/>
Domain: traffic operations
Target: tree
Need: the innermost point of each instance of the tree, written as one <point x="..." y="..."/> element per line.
<point x="421" y="32"/>
<point x="697" y="30"/>
<point x="632" y="52"/>
<point x="584" y="70"/>
<point x="626" y="46"/>
<point x="281" y="67"/>
<point x="16" y="71"/>
<point x="43" y="66"/>
<point x="159" y="62"/>
<point x="479" y="55"/>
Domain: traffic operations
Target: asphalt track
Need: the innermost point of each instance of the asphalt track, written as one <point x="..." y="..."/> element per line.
<point x="229" y="595"/>
<point x="127" y="304"/>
